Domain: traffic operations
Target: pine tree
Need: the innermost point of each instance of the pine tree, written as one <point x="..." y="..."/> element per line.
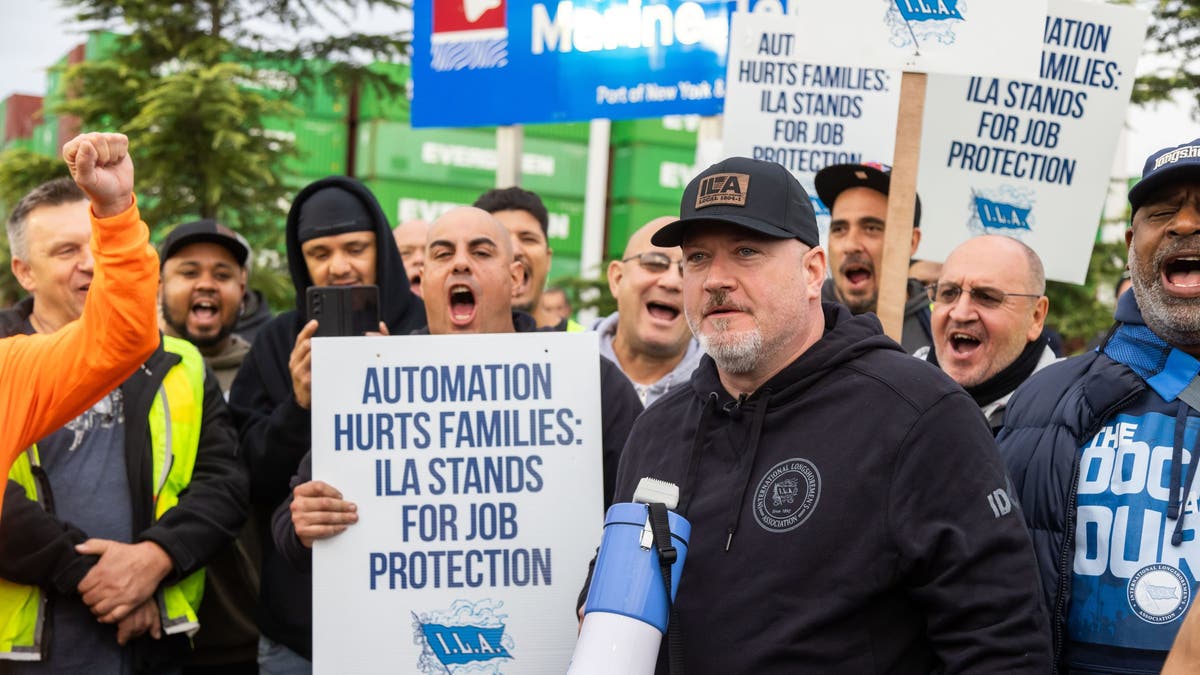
<point x="181" y="80"/>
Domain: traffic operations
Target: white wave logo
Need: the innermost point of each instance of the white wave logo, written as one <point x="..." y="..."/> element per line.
<point x="465" y="39"/>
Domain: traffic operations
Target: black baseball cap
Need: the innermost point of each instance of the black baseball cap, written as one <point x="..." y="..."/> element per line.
<point x="204" y="231"/>
<point x="750" y="193"/>
<point x="835" y="178"/>
<point x="1164" y="166"/>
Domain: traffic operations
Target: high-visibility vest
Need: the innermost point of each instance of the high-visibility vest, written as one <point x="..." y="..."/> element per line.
<point x="175" y="417"/>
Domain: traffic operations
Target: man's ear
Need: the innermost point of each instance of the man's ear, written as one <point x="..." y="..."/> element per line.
<point x="916" y="241"/>
<point x="1040" y="309"/>
<point x="616" y="269"/>
<point x="814" y="270"/>
<point x="24" y="275"/>
<point x="520" y="282"/>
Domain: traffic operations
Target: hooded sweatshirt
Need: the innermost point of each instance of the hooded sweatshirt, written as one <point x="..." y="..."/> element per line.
<point x="275" y="431"/>
<point x="917" y="330"/>
<point x="849" y="516"/>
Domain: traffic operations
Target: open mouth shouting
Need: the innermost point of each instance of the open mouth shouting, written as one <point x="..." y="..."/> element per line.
<point x="663" y="311"/>
<point x="858" y="274"/>
<point x="204" y="313"/>
<point x="462" y="305"/>
<point x="1181" y="274"/>
<point x="963" y="344"/>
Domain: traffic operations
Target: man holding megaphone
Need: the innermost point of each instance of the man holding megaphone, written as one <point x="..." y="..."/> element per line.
<point x="832" y="526"/>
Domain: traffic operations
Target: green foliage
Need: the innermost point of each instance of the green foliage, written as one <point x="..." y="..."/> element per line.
<point x="20" y="171"/>
<point x="1075" y="311"/>
<point x="588" y="293"/>
<point x="173" y="81"/>
<point x="1174" y="35"/>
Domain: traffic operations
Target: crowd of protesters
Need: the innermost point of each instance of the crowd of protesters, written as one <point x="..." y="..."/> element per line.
<point x="973" y="502"/>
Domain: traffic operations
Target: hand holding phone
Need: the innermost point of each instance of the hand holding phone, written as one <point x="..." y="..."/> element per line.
<point x="344" y="310"/>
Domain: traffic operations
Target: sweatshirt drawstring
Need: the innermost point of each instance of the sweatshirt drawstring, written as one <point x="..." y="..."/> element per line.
<point x="1179" y="494"/>
<point x="756" y="425"/>
<point x="689" y="484"/>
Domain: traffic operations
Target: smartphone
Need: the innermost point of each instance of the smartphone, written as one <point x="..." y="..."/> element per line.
<point x="344" y="310"/>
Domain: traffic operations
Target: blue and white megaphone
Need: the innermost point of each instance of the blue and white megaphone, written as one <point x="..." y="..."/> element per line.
<point x="625" y="616"/>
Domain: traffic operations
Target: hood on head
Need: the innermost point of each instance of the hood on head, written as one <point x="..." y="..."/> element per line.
<point x="398" y="307"/>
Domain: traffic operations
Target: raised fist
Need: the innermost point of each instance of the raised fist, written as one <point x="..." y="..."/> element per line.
<point x="101" y="167"/>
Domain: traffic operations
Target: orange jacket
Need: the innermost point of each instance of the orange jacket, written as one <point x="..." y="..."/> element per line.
<point x="48" y="380"/>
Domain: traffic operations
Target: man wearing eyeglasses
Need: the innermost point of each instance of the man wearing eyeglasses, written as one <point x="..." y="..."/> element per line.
<point x="988" y="313"/>
<point x="648" y="335"/>
<point x="857" y="197"/>
<point x="1102" y="447"/>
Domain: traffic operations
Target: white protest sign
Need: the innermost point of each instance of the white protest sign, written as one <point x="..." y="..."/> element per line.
<point x="1031" y="159"/>
<point x="974" y="37"/>
<point x="802" y="115"/>
<point x="475" y="462"/>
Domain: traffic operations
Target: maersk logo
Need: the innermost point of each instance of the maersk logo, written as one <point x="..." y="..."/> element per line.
<point x="632" y="24"/>
<point x="467" y="633"/>
<point x="469" y="35"/>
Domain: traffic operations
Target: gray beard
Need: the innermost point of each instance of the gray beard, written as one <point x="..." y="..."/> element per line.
<point x="735" y="354"/>
<point x="1175" y="320"/>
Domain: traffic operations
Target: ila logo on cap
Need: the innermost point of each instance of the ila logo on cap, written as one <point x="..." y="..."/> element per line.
<point x="723" y="188"/>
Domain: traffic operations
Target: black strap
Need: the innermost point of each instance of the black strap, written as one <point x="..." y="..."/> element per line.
<point x="666" y="557"/>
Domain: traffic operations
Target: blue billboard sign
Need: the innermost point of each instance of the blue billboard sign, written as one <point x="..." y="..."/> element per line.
<point x="496" y="62"/>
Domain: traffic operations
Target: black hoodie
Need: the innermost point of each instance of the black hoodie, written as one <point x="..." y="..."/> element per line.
<point x="274" y="429"/>
<point x="845" y="518"/>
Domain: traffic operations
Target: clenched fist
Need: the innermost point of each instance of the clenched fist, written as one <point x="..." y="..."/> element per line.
<point x="101" y="167"/>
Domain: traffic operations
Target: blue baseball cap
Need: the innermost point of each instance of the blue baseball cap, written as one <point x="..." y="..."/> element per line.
<point x="1164" y="167"/>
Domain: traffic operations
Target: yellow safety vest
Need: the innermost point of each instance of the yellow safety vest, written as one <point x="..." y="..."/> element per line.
<point x="174" y="420"/>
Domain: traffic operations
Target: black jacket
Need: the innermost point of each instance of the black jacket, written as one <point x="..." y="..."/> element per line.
<point x="619" y="407"/>
<point x="39" y="549"/>
<point x="842" y="518"/>
<point x="1050" y="417"/>
<point x="275" y="431"/>
<point x="917" y="331"/>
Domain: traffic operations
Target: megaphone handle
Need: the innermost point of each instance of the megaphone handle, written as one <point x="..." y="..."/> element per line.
<point x="666" y="557"/>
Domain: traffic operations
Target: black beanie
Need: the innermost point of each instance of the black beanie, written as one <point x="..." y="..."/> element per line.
<point x="332" y="211"/>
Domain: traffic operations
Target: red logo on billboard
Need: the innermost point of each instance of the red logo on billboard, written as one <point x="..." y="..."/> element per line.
<point x="452" y="16"/>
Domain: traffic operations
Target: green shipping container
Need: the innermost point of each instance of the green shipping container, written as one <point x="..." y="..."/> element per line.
<point x="55" y="91"/>
<point x="406" y="200"/>
<point x="674" y="130"/>
<point x="101" y="45"/>
<point x="576" y="132"/>
<point x="467" y="158"/>
<point x="625" y="218"/>
<point x="18" y="144"/>
<point x="373" y="105"/>
<point x="561" y="267"/>
<point x="321" y="144"/>
<point x="45" y="137"/>
<point x="651" y="172"/>
<point x="279" y="80"/>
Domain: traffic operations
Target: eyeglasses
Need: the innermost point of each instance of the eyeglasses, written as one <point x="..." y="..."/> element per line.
<point x="988" y="298"/>
<point x="655" y="262"/>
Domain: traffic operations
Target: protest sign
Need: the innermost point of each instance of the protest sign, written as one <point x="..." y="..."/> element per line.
<point x="943" y="36"/>
<point x="474" y="461"/>
<point x="805" y="116"/>
<point x="1031" y="158"/>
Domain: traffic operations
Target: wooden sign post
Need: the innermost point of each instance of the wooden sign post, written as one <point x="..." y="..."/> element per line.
<point x="897" y="239"/>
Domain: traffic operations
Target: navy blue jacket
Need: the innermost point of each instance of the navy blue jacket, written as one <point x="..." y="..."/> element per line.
<point x="1050" y="417"/>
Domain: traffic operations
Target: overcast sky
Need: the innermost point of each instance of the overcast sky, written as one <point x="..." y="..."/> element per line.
<point x="36" y="33"/>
